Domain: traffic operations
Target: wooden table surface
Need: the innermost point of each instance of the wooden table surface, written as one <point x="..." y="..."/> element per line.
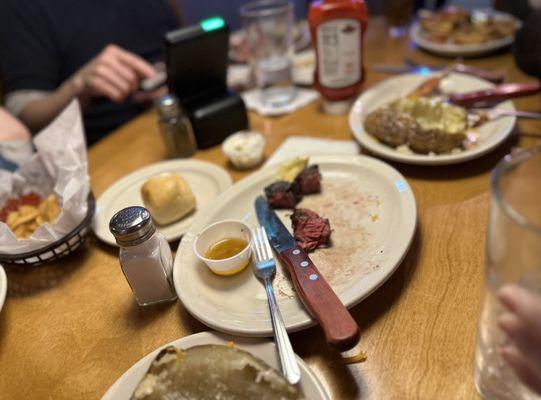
<point x="70" y="329"/>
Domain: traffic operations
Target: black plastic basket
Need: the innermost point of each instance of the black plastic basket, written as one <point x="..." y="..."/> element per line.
<point x="56" y="250"/>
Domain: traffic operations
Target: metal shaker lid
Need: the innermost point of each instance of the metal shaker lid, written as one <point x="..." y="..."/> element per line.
<point x="131" y="226"/>
<point x="168" y="106"/>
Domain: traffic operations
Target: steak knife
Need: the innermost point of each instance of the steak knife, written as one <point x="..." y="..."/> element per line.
<point x="496" y="94"/>
<point x="340" y="329"/>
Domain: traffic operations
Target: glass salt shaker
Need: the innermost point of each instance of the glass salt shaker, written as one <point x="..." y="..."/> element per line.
<point x="175" y="127"/>
<point x="145" y="256"/>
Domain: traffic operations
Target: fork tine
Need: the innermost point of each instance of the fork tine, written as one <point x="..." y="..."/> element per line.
<point x="267" y="244"/>
<point x="260" y="252"/>
<point x="262" y="243"/>
<point x="252" y="245"/>
<point x="259" y="248"/>
<point x="263" y="236"/>
<point x="259" y="244"/>
<point x="255" y="245"/>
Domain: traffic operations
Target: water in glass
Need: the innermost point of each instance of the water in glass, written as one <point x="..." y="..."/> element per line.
<point x="269" y="28"/>
<point x="513" y="255"/>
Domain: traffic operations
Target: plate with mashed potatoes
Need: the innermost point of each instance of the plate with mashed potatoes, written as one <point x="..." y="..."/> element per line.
<point x="173" y="192"/>
<point x="210" y="365"/>
<point x="425" y="130"/>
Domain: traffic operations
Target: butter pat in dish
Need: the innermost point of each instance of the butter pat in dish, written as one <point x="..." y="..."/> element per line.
<point x="224" y="247"/>
<point x="244" y="149"/>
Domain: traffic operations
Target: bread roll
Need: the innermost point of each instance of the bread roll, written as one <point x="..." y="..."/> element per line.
<point x="212" y="372"/>
<point x="168" y="198"/>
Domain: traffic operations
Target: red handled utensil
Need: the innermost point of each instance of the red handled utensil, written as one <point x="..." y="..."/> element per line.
<point x="340" y="329"/>
<point x="495" y="94"/>
<point x="489" y="75"/>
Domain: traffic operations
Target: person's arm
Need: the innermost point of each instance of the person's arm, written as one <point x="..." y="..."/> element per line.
<point x="115" y="74"/>
<point x="522" y="326"/>
<point x="11" y="129"/>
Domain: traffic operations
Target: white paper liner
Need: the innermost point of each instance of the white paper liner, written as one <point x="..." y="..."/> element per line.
<point x="59" y="166"/>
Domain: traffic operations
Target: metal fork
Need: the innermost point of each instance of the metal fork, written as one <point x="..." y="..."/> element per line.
<point x="493" y="113"/>
<point x="265" y="269"/>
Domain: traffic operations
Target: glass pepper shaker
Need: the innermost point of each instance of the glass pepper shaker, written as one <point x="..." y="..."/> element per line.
<point x="175" y="127"/>
<point x="145" y="256"/>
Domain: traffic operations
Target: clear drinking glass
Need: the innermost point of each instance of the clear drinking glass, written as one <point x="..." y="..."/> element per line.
<point x="269" y="28"/>
<point x="513" y="255"/>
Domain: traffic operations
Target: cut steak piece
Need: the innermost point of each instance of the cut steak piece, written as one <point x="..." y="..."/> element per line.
<point x="310" y="230"/>
<point x="283" y="194"/>
<point x="309" y="180"/>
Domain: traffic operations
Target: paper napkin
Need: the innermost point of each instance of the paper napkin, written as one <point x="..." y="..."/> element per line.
<point x="253" y="100"/>
<point x="295" y="146"/>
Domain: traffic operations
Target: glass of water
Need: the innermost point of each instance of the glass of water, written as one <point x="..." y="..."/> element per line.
<point x="269" y="29"/>
<point x="513" y="255"/>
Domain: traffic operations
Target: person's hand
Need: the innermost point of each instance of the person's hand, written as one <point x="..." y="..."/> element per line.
<point x="149" y="97"/>
<point x="522" y="325"/>
<point x="11" y="129"/>
<point x="114" y="73"/>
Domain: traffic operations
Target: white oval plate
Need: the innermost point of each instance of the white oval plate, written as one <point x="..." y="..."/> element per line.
<point x="462" y="50"/>
<point x="3" y="286"/>
<point x="491" y="134"/>
<point x="123" y="388"/>
<point x="372" y="213"/>
<point x="205" y="179"/>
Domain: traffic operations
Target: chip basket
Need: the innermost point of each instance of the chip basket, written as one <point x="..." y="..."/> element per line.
<point x="58" y="249"/>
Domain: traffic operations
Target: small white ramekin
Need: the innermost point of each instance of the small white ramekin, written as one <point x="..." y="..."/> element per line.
<point x="229" y="229"/>
<point x="245" y="149"/>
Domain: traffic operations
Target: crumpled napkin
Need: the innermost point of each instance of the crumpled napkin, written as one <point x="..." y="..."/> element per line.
<point x="58" y="166"/>
<point x="253" y="100"/>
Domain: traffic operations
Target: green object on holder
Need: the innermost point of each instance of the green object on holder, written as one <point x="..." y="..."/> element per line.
<point x="213" y="23"/>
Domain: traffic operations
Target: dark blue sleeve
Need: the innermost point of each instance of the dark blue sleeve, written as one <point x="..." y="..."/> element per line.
<point x="7" y="165"/>
<point x="29" y="54"/>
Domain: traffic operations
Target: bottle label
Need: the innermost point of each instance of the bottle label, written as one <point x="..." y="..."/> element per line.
<point x="339" y="53"/>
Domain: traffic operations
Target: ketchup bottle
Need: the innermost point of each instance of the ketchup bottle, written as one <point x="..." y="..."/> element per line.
<point x="337" y="28"/>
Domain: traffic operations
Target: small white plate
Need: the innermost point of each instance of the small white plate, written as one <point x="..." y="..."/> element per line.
<point x="373" y="216"/>
<point x="462" y="50"/>
<point x="491" y="134"/>
<point x="205" y="179"/>
<point x="123" y="388"/>
<point x="3" y="286"/>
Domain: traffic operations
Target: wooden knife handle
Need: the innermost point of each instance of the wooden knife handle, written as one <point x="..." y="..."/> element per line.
<point x="488" y="74"/>
<point x="496" y="94"/>
<point x="340" y="329"/>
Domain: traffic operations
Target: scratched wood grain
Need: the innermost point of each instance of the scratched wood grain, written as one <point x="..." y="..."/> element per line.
<point x="69" y="330"/>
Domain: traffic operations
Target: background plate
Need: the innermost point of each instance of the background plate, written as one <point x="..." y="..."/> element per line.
<point x="462" y="50"/>
<point x="205" y="179"/>
<point x="266" y="351"/>
<point x="372" y="213"/>
<point x="491" y="134"/>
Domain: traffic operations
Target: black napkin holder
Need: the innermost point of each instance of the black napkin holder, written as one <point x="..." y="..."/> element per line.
<point x="197" y="59"/>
